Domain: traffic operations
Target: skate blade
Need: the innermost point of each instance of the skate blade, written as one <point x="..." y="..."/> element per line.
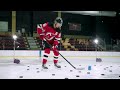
<point x="45" y="70"/>
<point x="80" y="68"/>
<point x="57" y="68"/>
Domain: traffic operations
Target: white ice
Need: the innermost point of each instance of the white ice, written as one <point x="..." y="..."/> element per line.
<point x="109" y="67"/>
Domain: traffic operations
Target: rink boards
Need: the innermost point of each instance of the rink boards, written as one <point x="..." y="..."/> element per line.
<point x="78" y="55"/>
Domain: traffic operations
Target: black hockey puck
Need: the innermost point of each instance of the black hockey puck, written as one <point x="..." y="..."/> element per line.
<point x="71" y="70"/>
<point x="103" y="74"/>
<point x="77" y="76"/>
<point x="28" y="66"/>
<point x="38" y="71"/>
<point x="79" y="71"/>
<point x="27" y="69"/>
<point x="65" y="66"/>
<point x="104" y="68"/>
<point x="49" y="65"/>
<point x="88" y="72"/>
<point x="110" y="70"/>
<point x="79" y="65"/>
<point x="53" y="74"/>
<point x="110" y="66"/>
<point x="66" y="78"/>
<point x="94" y="65"/>
<point x="119" y="76"/>
<point x="20" y="76"/>
<point x="37" y="68"/>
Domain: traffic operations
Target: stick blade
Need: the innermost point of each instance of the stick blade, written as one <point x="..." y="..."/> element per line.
<point x="80" y="68"/>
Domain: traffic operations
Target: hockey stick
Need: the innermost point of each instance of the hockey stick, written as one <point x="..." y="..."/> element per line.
<point x="70" y="63"/>
<point x="66" y="59"/>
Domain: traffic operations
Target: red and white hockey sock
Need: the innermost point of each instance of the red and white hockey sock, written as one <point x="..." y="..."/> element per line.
<point x="56" y="54"/>
<point x="55" y="59"/>
<point x="45" y="56"/>
<point x="44" y="61"/>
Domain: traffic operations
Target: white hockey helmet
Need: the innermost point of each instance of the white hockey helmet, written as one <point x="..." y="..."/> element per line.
<point x="59" y="20"/>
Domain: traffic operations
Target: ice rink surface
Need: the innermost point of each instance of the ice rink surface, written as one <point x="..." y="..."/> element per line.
<point x="31" y="69"/>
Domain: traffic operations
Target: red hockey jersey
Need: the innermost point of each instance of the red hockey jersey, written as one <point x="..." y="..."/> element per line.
<point x="49" y="33"/>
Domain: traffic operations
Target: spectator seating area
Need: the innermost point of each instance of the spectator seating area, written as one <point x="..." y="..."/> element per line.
<point x="77" y="44"/>
<point x="70" y="44"/>
<point x="34" y="43"/>
<point x="7" y="43"/>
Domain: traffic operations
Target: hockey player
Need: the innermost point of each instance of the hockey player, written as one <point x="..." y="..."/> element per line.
<point x="50" y="34"/>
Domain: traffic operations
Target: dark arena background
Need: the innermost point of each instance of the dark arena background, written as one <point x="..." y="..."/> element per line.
<point x="89" y="47"/>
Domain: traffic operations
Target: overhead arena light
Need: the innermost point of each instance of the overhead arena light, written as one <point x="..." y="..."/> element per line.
<point x="92" y="13"/>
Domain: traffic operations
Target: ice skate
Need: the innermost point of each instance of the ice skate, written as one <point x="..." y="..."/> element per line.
<point x="57" y="66"/>
<point x="44" y="66"/>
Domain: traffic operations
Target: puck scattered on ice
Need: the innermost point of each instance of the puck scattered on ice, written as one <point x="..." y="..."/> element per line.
<point x="27" y="69"/>
<point x="65" y="66"/>
<point x="79" y="65"/>
<point x="94" y="65"/>
<point x="53" y="74"/>
<point x="88" y="72"/>
<point x="79" y="71"/>
<point x="102" y="74"/>
<point x="20" y="76"/>
<point x="71" y="70"/>
<point x="119" y="76"/>
<point x="100" y="65"/>
<point x="37" y="68"/>
<point x="77" y="76"/>
<point x="66" y="78"/>
<point x="49" y="65"/>
<point x="110" y="66"/>
<point x="110" y="70"/>
<point x="38" y="71"/>
<point x="104" y="68"/>
<point x="28" y="66"/>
